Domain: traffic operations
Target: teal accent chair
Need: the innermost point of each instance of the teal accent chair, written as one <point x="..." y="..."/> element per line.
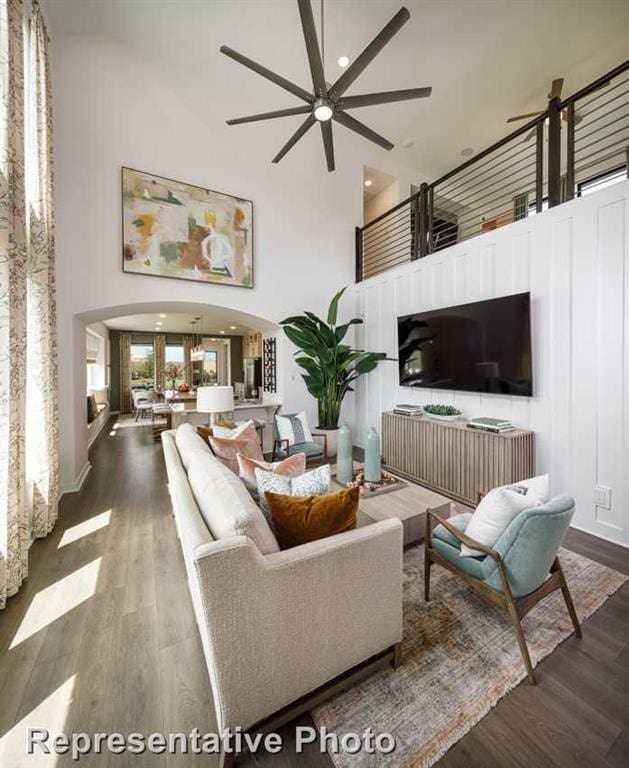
<point x="516" y="573"/>
<point x="315" y="452"/>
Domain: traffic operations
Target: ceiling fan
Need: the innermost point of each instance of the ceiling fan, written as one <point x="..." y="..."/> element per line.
<point x="555" y="92"/>
<point x="327" y="101"/>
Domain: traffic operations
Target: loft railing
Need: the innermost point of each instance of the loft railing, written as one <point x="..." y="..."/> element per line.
<point x="576" y="145"/>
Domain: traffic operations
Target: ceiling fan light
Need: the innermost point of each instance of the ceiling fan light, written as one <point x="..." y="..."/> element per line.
<point x="323" y="110"/>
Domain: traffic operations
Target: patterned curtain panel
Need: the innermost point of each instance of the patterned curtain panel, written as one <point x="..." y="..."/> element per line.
<point x="14" y="523"/>
<point x="125" y="373"/>
<point x="159" y="342"/>
<point x="42" y="427"/>
<point x="188" y="342"/>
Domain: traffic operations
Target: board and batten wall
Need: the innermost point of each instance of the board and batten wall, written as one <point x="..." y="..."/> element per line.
<point x="574" y="260"/>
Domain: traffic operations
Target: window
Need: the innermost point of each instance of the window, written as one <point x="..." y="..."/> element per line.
<point x="95" y="358"/>
<point x="600" y="182"/>
<point x="174" y="370"/>
<point x="142" y="365"/>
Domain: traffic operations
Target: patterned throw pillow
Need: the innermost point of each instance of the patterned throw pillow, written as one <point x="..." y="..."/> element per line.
<point x="313" y="483"/>
<point x="300" y="519"/>
<point x="226" y="449"/>
<point x="291" y="467"/>
<point x="295" y="428"/>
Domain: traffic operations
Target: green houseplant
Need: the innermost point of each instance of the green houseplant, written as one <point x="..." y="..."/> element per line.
<point x="329" y="366"/>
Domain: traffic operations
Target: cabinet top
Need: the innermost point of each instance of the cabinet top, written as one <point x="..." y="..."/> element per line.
<point x="460" y="424"/>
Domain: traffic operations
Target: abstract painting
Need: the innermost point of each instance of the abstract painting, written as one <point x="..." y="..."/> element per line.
<point x="172" y="229"/>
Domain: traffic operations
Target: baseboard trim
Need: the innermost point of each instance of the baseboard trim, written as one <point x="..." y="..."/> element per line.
<point x="78" y="482"/>
<point x="599" y="535"/>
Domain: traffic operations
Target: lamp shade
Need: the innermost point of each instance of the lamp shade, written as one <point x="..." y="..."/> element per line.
<point x="215" y="399"/>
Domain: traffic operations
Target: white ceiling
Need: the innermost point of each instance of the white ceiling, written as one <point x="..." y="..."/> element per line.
<point x="379" y="181"/>
<point x="214" y="320"/>
<point x="485" y="59"/>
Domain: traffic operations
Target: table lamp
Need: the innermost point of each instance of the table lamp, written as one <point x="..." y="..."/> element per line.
<point x="214" y="400"/>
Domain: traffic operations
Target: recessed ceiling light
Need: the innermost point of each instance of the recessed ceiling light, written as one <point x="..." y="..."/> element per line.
<point x="407" y="143"/>
<point x="221" y="331"/>
<point x="343" y="61"/>
<point x="467" y="151"/>
<point x="159" y="323"/>
<point x="368" y="182"/>
<point x="232" y="327"/>
<point x="162" y="315"/>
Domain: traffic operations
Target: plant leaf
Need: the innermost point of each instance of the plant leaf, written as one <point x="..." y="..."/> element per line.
<point x="334" y="306"/>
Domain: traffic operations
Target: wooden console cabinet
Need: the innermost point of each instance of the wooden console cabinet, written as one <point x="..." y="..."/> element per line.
<point x="453" y="459"/>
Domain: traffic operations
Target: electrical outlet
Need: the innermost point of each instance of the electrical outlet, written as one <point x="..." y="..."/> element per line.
<point x="603" y="496"/>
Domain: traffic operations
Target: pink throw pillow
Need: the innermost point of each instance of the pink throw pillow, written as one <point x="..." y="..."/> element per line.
<point x="226" y="449"/>
<point x="293" y="466"/>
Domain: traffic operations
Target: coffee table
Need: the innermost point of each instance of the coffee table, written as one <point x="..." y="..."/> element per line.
<point x="409" y="504"/>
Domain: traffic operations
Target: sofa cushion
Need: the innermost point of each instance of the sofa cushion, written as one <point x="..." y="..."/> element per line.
<point x="290" y="467"/>
<point x="539" y="485"/>
<point x="300" y="519"/>
<point x="226" y="449"/>
<point x="226" y="505"/>
<point x="188" y="443"/>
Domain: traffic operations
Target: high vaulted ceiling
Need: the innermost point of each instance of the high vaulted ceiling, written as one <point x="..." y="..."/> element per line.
<point x="485" y="59"/>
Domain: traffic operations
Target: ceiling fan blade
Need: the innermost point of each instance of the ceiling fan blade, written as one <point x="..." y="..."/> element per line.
<point x="354" y="125"/>
<point x="555" y="88"/>
<point x="270" y="115"/>
<point x="385" y="97"/>
<point x="529" y="135"/>
<point x="305" y="126"/>
<point x="260" y="70"/>
<point x="369" y="54"/>
<point x="524" y="117"/>
<point x="312" y="47"/>
<point x="328" y="143"/>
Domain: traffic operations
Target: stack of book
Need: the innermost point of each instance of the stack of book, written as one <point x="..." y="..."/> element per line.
<point x="490" y="425"/>
<point x="405" y="409"/>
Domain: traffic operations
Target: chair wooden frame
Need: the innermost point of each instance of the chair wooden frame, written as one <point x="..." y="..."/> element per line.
<point x="278" y="442"/>
<point x="517" y="608"/>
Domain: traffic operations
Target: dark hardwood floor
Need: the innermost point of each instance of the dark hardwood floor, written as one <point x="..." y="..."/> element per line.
<point x="102" y="638"/>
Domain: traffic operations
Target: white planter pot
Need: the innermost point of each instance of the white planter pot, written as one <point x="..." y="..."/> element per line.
<point x="331" y="435"/>
<point x="437" y="417"/>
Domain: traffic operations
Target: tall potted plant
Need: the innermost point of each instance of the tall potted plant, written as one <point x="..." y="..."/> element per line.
<point x="329" y="366"/>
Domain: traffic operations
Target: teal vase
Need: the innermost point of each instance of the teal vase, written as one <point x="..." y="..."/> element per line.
<point x="344" y="465"/>
<point x="372" y="457"/>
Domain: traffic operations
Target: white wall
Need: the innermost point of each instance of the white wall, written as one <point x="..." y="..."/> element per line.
<point x="113" y="108"/>
<point x="383" y="201"/>
<point x="574" y="259"/>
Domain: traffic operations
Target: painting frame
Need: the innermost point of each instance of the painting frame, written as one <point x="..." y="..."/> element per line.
<point x="213" y="277"/>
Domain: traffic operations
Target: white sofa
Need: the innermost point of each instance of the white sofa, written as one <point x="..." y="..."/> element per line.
<point x="276" y="625"/>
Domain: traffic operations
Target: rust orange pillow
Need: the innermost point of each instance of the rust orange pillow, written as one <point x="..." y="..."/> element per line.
<point x="205" y="432"/>
<point x="300" y="519"/>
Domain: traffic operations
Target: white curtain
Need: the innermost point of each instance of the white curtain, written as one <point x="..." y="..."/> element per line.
<point x="28" y="404"/>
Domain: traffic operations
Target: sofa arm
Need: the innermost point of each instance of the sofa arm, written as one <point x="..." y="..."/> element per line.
<point x="281" y="625"/>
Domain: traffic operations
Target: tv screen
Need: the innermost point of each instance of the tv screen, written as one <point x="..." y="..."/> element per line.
<point x="479" y="347"/>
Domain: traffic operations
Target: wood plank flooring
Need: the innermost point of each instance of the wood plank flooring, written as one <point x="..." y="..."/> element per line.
<point x="102" y="638"/>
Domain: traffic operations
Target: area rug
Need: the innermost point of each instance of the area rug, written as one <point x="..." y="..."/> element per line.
<point x="460" y="658"/>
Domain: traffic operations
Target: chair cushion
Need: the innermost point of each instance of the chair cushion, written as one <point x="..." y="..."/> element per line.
<point x="188" y="442"/>
<point x="101" y="395"/>
<point x="290" y="467"/>
<point x="470" y="565"/>
<point x="226" y="505"/>
<point x="458" y="521"/>
<point x="294" y="428"/>
<point x="494" y="513"/>
<point x="312" y="450"/>
<point x="300" y="519"/>
<point x="313" y="483"/>
<point x="226" y="449"/>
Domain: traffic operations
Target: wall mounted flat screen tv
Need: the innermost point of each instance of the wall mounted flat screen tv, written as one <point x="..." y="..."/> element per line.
<point x="479" y="347"/>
